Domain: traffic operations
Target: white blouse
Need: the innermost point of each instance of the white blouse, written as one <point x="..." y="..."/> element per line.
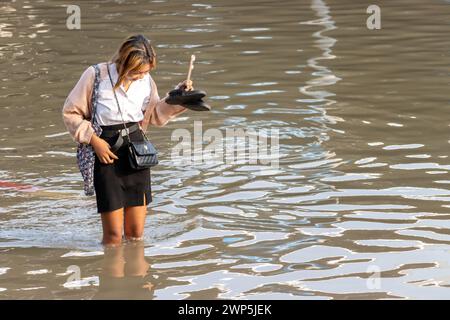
<point x="132" y="102"/>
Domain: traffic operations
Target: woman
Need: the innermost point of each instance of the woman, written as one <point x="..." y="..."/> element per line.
<point x="122" y="193"/>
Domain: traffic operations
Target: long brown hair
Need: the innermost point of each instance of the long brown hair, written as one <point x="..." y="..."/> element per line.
<point x="132" y="54"/>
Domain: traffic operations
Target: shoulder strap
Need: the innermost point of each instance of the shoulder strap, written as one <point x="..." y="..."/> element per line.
<point x="94" y="95"/>
<point x="117" y="101"/>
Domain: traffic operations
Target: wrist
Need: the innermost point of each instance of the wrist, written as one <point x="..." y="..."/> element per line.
<point x="94" y="140"/>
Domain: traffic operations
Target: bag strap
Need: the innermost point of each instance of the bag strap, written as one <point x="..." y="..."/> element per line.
<point x="118" y="105"/>
<point x="95" y="92"/>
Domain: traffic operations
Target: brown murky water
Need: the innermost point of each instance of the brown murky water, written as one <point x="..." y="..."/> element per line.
<point x="359" y="205"/>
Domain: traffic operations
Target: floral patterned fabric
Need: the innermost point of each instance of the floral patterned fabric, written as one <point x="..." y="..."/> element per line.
<point x="85" y="152"/>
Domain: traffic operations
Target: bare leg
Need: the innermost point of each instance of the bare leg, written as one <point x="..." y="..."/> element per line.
<point x="135" y="221"/>
<point x="112" y="223"/>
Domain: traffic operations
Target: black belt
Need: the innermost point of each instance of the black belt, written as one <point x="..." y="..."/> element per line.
<point x="121" y="133"/>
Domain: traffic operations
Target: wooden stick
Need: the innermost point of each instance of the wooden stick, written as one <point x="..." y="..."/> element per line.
<point x="191" y="66"/>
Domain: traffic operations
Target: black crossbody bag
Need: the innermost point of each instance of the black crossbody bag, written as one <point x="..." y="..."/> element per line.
<point x="142" y="154"/>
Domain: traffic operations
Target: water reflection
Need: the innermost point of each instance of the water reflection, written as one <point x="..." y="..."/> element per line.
<point x="124" y="273"/>
<point x="362" y="182"/>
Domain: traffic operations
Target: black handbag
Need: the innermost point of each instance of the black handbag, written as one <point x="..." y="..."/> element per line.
<point x="142" y="154"/>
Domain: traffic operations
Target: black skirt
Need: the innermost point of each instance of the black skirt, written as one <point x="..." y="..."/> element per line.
<point x="117" y="185"/>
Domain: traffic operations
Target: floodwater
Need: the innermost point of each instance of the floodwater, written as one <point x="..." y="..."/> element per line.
<point x="358" y="208"/>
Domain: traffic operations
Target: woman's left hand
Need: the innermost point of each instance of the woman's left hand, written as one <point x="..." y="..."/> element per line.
<point x="185" y="85"/>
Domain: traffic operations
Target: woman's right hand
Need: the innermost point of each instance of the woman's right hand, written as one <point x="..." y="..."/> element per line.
<point x="186" y="85"/>
<point x="102" y="149"/>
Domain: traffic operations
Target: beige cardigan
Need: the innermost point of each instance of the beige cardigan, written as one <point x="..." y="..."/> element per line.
<point x="77" y="107"/>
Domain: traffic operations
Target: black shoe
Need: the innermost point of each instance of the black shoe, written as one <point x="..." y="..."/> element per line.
<point x="180" y="96"/>
<point x="198" y="105"/>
